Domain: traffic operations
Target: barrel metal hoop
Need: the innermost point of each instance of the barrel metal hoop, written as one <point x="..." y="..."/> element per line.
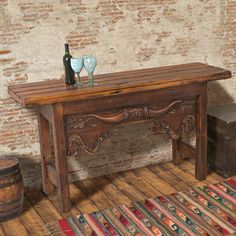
<point x="10" y="170"/>
<point x="10" y="183"/>
<point x="13" y="214"/>
<point x="7" y="173"/>
<point x="11" y="202"/>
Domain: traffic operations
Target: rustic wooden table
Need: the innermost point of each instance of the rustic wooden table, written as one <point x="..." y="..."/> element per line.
<point x="173" y="97"/>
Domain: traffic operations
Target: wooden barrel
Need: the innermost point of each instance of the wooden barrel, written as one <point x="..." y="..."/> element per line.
<point x="11" y="188"/>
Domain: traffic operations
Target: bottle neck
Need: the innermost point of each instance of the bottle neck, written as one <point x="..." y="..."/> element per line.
<point x="67" y="51"/>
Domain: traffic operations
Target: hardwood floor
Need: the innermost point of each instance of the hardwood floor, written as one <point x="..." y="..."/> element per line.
<point x="102" y="192"/>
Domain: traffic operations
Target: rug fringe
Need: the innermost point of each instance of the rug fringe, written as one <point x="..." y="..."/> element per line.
<point x="52" y="229"/>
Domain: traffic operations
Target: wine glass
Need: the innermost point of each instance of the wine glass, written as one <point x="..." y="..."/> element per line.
<point x="77" y="65"/>
<point x="90" y="64"/>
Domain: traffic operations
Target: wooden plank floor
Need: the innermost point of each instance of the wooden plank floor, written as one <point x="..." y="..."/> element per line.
<point x="101" y="192"/>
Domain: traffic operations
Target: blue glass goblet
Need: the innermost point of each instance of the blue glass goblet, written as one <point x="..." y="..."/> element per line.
<point x="90" y="64"/>
<point x="77" y="65"/>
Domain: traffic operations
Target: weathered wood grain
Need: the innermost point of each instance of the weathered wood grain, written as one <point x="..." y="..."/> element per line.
<point x="40" y="212"/>
<point x="46" y="155"/>
<point x="49" y="92"/>
<point x="201" y="137"/>
<point x="60" y="158"/>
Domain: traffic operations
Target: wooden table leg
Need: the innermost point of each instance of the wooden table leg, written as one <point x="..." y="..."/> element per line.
<point x="201" y="137"/>
<point x="177" y="158"/>
<point x="45" y="152"/>
<point x="60" y="158"/>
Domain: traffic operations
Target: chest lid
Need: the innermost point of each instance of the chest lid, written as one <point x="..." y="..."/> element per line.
<point x="226" y="113"/>
<point x="222" y="119"/>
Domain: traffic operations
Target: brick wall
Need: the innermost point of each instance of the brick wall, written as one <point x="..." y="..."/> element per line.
<point x="122" y="35"/>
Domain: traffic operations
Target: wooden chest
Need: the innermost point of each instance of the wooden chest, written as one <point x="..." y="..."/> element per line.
<point x="222" y="139"/>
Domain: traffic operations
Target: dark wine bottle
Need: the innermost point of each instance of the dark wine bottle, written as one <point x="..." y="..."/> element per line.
<point x="69" y="73"/>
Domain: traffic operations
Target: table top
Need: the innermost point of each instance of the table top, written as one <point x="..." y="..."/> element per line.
<point x="113" y="84"/>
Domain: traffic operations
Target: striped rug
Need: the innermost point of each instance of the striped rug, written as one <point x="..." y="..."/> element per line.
<point x="207" y="210"/>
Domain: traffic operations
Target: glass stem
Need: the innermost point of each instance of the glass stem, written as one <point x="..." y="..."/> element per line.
<point x="90" y="79"/>
<point x="78" y="82"/>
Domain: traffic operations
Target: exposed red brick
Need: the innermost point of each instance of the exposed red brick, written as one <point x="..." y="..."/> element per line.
<point x="17" y="71"/>
<point x="35" y="11"/>
<point x="4" y="51"/>
<point x="6" y="61"/>
<point x="145" y="54"/>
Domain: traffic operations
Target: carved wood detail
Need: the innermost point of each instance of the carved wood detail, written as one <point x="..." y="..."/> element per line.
<point x="76" y="144"/>
<point x="86" y="132"/>
<point x="187" y="125"/>
<point x="123" y="115"/>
